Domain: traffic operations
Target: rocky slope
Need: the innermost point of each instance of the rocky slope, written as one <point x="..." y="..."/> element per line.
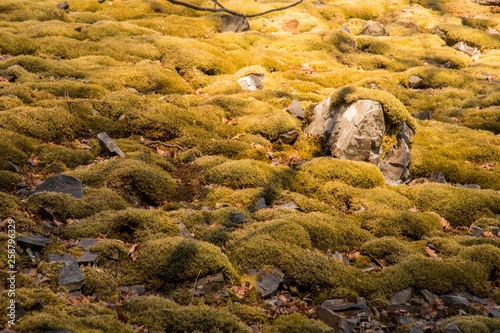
<point x="335" y="168"/>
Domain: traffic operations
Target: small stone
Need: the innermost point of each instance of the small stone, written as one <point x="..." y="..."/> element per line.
<point x="429" y="297"/>
<point x="210" y="284"/>
<point x="238" y="218"/>
<point x="374" y="28"/>
<point x="184" y="231"/>
<point x="342" y="304"/>
<point x="206" y="208"/>
<point x="61" y="184"/>
<point x="251" y="82"/>
<point x="401" y="297"/>
<point x="234" y="23"/>
<point x="132" y="90"/>
<point x="345" y="29"/>
<point x="289" y="137"/>
<point x="424" y="115"/>
<point x="456" y="302"/>
<point x="372" y="85"/>
<point x="70" y="275"/>
<point x="95" y="113"/>
<point x="340" y="257"/>
<point x="495" y="313"/>
<point x="337" y="322"/>
<point x="35" y="241"/>
<point x="86" y="243"/>
<point x="415" y="82"/>
<point x="47" y="228"/>
<point x="417" y="301"/>
<point x="437" y="177"/>
<point x="137" y="289"/>
<point x="289" y="205"/>
<point x="476" y="231"/>
<point x="471" y="186"/>
<point x="268" y="281"/>
<point x="109" y="146"/>
<point x="452" y="328"/>
<point x="63" y="5"/>
<point x="295" y="109"/>
<point x="87" y="257"/>
<point x="261" y="203"/>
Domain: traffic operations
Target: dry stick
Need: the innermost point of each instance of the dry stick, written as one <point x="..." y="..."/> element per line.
<point x="194" y="287"/>
<point x="222" y="9"/>
<point x="168" y="145"/>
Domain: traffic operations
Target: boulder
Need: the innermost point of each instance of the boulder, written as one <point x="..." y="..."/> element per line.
<point x="109" y="146"/>
<point x="352" y="131"/>
<point x="234" y="23"/>
<point x="415" y="82"/>
<point x="374" y="28"/>
<point x="337" y="322"/>
<point x="427" y="115"/>
<point x="251" y="82"/>
<point x="69" y="275"/>
<point x="268" y="280"/>
<point x="295" y="109"/>
<point x="61" y="184"/>
<point x="342" y="304"/>
<point x="395" y="165"/>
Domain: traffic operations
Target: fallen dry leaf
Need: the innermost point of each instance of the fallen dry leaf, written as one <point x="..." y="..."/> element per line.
<point x="487" y="234"/>
<point x="431" y="253"/>
<point x="444" y="223"/>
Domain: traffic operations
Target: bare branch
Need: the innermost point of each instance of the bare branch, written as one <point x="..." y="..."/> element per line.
<point x="229" y="11"/>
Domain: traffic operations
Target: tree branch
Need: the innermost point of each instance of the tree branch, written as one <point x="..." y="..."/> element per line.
<point x="229" y="11"/>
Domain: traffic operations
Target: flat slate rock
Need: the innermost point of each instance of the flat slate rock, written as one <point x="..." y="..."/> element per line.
<point x="342" y="304"/>
<point x="429" y="297"/>
<point x="335" y="321"/>
<point x="61" y="184"/>
<point x="289" y="137"/>
<point x="238" y="218"/>
<point x="211" y="284"/>
<point x="456" y="302"/>
<point x="109" y="146"/>
<point x="495" y="312"/>
<point x="87" y="243"/>
<point x="87" y="257"/>
<point x="70" y="275"/>
<point x="295" y="109"/>
<point x="268" y="281"/>
<point x="401" y="297"/>
<point x="452" y="328"/>
<point x="35" y="241"/>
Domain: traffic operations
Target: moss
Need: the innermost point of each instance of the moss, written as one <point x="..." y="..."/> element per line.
<point x="487" y="254"/>
<point x="439" y="78"/>
<point x="101" y="283"/>
<point x="457" y="152"/>
<point x="12" y="10"/>
<point x="157" y="313"/>
<point x="357" y="174"/>
<point x="136" y="180"/>
<point x="175" y="259"/>
<point x="473" y="324"/>
<point x="8" y="204"/>
<point x="63" y="206"/>
<point x="208" y="162"/>
<point x="108" y="249"/>
<point x="245" y="197"/>
<point x="390" y="249"/>
<point x="7" y="178"/>
<point x="130" y="225"/>
<point x="459" y="206"/>
<point x="42" y="123"/>
<point x="43" y="66"/>
<point x="9" y="102"/>
<point x="486" y="222"/>
<point x="297" y="323"/>
<point x="270" y="125"/>
<point x="471" y="36"/>
<point x="70" y="157"/>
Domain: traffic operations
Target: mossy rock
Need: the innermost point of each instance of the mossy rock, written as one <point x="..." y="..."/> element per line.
<point x="470" y="36"/>
<point x="136" y="180"/>
<point x="8" y="204"/>
<point x="459" y="206"/>
<point x="297" y="323"/>
<point x="63" y="206"/>
<point x="100" y="282"/>
<point x="474" y="324"/>
<point x="390" y="249"/>
<point x="208" y="162"/>
<point x="486" y="254"/>
<point x="15" y="148"/>
<point x="68" y="156"/>
<point x="157" y="313"/>
<point x="320" y="170"/>
<point x="7" y="178"/>
<point x="129" y="225"/>
<point x="174" y="259"/>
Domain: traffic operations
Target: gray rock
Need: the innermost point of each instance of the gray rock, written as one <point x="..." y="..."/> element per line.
<point x="87" y="257"/>
<point x="206" y="208"/>
<point x="61" y="184"/>
<point x="289" y="205"/>
<point x="342" y="304"/>
<point x="374" y="28"/>
<point x="427" y="115"/>
<point x="429" y="297"/>
<point x="417" y="302"/>
<point x="109" y="146"/>
<point x="261" y="203"/>
<point x="63" y="5"/>
<point x="48" y="228"/>
<point x="234" y="23"/>
<point x="251" y="82"/>
<point x="345" y="29"/>
<point x="461" y="46"/>
<point x="437" y="177"/>
<point x="440" y="33"/>
<point x="87" y="243"/>
<point x="340" y="257"/>
<point x="403" y="320"/>
<point x="69" y="275"/>
<point x="471" y="186"/>
<point x="268" y="281"/>
<point x="338" y="323"/>
<point x="137" y="289"/>
<point x="35" y="241"/>
<point x="238" y="218"/>
<point x="373" y="85"/>
<point x="352" y="132"/>
<point x="401" y="297"/>
<point x="495" y="312"/>
<point x="184" y="232"/>
<point x="470" y="298"/>
<point x="416" y="329"/>
<point x="415" y="82"/>
<point x="289" y="137"/>
<point x="211" y="284"/>
<point x="295" y="109"/>
<point x="476" y="231"/>
<point x="396" y="161"/>
<point x="456" y="302"/>
<point x="452" y="328"/>
<point x="406" y="133"/>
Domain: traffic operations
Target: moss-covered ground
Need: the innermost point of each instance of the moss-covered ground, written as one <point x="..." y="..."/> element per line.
<point x="207" y="187"/>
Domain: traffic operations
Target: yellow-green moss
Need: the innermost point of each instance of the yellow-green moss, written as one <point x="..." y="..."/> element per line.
<point x="208" y="162"/>
<point x="7" y="178"/>
<point x="157" y="313"/>
<point x="486" y="254"/>
<point x="474" y="324"/>
<point x="70" y="157"/>
<point x="100" y="282"/>
<point x="130" y="225"/>
<point x="9" y="102"/>
<point x="270" y="125"/>
<point x="390" y="249"/>
<point x="8" y="204"/>
<point x="471" y="36"/>
<point x="297" y="323"/>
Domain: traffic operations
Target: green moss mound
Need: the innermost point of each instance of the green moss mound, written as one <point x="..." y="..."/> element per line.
<point x="15" y="148"/>
<point x="8" y="204"/>
<point x="471" y="36"/>
<point x="474" y="324"/>
<point x="136" y="180"/>
<point x="101" y="283"/>
<point x="390" y="249"/>
<point x="130" y="225"/>
<point x="8" y="178"/>
<point x="158" y="313"/>
<point x="297" y="323"/>
<point x="70" y="157"/>
<point x="459" y="206"/>
<point x="486" y="254"/>
<point x="174" y="259"/>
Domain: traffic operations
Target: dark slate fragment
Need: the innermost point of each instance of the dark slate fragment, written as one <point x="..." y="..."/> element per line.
<point x="289" y="137"/>
<point x="70" y="275"/>
<point x="109" y="146"/>
<point x="295" y="109"/>
<point x="337" y="322"/>
<point x="61" y="184"/>
<point x="238" y="218"/>
<point x="341" y="304"/>
<point x="495" y="312"/>
<point x="35" y="241"/>
<point x="452" y="328"/>
<point x="87" y="243"/>
<point x="211" y="284"/>
<point x="401" y="297"/>
<point x="87" y="257"/>
<point x="268" y="281"/>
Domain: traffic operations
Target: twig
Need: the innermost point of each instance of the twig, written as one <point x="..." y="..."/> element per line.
<point x="222" y="9"/>
<point x="168" y="145"/>
<point x="194" y="287"/>
<point x="86" y="101"/>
